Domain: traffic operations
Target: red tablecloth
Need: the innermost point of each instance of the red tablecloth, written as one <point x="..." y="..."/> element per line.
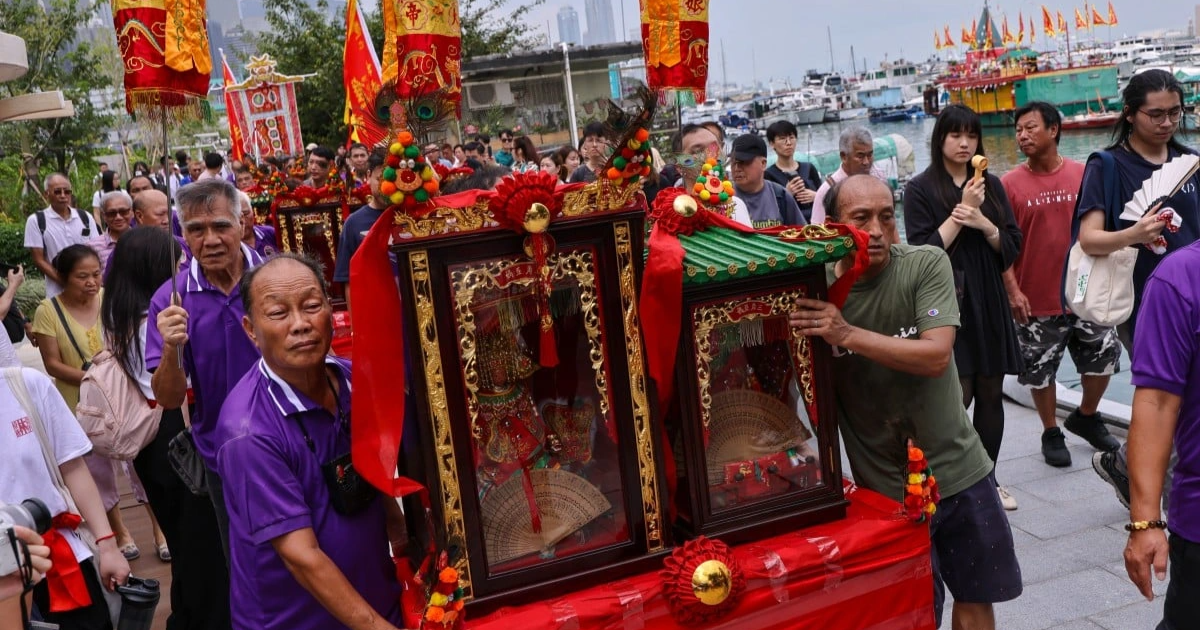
<point x="870" y="571"/>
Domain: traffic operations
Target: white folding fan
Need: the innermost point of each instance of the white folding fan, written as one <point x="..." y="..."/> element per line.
<point x="1162" y="185"/>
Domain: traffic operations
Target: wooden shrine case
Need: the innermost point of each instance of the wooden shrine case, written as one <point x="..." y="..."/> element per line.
<point x="311" y="222"/>
<point x="506" y="443"/>
<point x="755" y="433"/>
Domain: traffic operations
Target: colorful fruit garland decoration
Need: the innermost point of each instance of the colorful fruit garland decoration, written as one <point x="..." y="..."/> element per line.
<point x="445" y="608"/>
<point x="408" y="179"/>
<point x="633" y="161"/>
<point x="921" y="494"/>
<point x="712" y="189"/>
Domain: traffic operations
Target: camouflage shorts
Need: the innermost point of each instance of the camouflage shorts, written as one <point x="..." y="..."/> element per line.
<point x="1095" y="350"/>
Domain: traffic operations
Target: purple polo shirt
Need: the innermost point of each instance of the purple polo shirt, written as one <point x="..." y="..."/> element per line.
<point x="264" y="241"/>
<point x="217" y="353"/>
<point x="273" y="486"/>
<point x="1166" y="356"/>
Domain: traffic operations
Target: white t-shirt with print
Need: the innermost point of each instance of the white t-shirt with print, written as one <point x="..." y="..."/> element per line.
<point x="23" y="470"/>
<point x="60" y="234"/>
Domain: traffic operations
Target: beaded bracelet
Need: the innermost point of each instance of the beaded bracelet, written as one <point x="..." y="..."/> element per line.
<point x="1138" y="526"/>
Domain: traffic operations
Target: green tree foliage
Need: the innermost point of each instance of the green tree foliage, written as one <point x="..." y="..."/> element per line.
<point x="307" y="40"/>
<point x="58" y="59"/>
<point x="491" y="27"/>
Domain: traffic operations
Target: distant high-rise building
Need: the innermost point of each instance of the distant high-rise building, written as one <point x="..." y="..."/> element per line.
<point x="600" y="27"/>
<point x="225" y="12"/>
<point x="568" y="26"/>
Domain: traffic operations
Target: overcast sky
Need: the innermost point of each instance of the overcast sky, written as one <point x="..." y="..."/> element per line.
<point x="788" y="37"/>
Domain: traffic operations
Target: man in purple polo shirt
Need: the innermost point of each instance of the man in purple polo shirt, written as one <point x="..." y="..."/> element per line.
<point x="1166" y="409"/>
<point x="210" y="316"/>
<point x="303" y="555"/>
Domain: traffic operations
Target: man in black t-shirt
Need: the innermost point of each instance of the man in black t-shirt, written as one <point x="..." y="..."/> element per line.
<point x="360" y="221"/>
<point x="800" y="178"/>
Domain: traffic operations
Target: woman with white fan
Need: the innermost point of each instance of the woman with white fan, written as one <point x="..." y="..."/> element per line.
<point x="1145" y="153"/>
<point x="1155" y="177"/>
<point x="955" y="205"/>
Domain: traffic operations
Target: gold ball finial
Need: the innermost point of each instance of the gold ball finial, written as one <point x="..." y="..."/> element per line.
<point x="537" y="218"/>
<point x="685" y="205"/>
<point x="712" y="582"/>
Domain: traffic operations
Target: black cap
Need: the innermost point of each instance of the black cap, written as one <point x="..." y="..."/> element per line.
<point x="749" y="146"/>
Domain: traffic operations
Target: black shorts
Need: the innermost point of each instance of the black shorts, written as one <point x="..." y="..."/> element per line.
<point x="972" y="549"/>
<point x="1181" y="608"/>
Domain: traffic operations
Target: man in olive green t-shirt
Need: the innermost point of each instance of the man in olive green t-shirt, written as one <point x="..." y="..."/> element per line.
<point x="894" y="339"/>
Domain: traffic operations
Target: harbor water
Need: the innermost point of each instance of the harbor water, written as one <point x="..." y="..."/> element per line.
<point x="1003" y="155"/>
<point x="999" y="144"/>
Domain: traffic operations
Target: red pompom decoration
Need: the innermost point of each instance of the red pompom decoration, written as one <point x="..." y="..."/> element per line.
<point x="722" y="589"/>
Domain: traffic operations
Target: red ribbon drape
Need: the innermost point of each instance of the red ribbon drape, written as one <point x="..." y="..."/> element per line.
<point x="65" y="581"/>
<point x="378" y="402"/>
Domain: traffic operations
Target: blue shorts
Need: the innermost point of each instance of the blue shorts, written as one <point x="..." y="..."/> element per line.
<point x="972" y="549"/>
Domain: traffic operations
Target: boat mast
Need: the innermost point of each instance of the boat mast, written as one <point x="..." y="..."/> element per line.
<point x="724" y="76"/>
<point x="1070" y="62"/>
<point x="829" y="35"/>
<point x="853" y="64"/>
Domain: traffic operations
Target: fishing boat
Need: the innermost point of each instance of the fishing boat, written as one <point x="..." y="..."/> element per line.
<point x="831" y="91"/>
<point x="1090" y="120"/>
<point x="899" y="113"/>
<point x="995" y="81"/>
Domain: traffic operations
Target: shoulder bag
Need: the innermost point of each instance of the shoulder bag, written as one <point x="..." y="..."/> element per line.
<point x="1099" y="289"/>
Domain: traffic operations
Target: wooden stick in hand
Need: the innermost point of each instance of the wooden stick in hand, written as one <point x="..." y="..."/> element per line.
<point x="980" y="164"/>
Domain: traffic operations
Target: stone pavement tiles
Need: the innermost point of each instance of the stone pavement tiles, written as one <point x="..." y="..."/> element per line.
<point x="1069" y="537"/>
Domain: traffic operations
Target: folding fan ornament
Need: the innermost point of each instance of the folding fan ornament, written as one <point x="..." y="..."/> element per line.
<point x="527" y="203"/>
<point x="1161" y="186"/>
<point x="566" y="501"/>
<point x="746" y="425"/>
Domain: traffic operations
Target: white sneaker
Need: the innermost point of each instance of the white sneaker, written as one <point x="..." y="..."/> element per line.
<point x="1007" y="500"/>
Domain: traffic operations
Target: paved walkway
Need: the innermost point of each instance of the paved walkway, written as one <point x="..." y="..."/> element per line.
<point x="1068" y="531"/>
<point x="1070" y="535"/>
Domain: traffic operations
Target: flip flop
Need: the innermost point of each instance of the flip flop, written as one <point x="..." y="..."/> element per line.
<point x="164" y="553"/>
<point x="131" y="551"/>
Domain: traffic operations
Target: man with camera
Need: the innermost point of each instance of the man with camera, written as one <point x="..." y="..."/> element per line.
<point x="308" y="536"/>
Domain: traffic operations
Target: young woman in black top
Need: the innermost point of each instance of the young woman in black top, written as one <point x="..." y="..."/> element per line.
<point x="947" y="206"/>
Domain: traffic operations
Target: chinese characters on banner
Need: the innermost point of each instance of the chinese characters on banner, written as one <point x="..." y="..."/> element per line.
<point x="266" y="109"/>
<point x="675" y="43"/>
<point x="422" y="49"/>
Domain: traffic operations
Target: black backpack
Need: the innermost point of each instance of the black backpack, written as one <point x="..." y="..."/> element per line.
<point x="83" y="216"/>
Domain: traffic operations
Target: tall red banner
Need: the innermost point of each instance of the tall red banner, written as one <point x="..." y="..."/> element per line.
<point x="422" y="49"/>
<point x="237" y="136"/>
<point x="165" y="77"/>
<point x="361" y="76"/>
<point x="675" y="43"/>
<point x="266" y="109"/>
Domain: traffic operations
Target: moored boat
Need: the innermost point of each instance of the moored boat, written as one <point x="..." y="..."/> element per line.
<point x="1090" y="120"/>
<point x="996" y="81"/>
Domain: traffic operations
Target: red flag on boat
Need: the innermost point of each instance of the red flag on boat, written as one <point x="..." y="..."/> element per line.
<point x="1097" y="19"/>
<point x="1112" y="15"/>
<point x="1048" y="22"/>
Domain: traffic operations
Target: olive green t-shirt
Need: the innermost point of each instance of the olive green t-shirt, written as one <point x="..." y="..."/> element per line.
<point x="879" y="408"/>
